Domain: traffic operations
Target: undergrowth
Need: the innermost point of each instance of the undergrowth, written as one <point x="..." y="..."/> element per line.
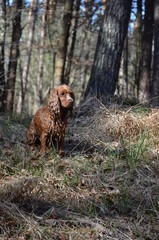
<point x="136" y="150"/>
<point x="106" y="186"/>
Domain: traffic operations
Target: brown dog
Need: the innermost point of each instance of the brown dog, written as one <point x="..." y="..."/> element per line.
<point x="49" y="123"/>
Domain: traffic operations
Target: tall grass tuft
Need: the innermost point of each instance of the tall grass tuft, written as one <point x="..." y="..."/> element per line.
<point x="137" y="150"/>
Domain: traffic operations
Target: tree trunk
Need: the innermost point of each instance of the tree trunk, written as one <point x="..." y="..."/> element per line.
<point x="125" y="67"/>
<point x="104" y="6"/>
<point x="52" y="28"/>
<point x="73" y="41"/>
<point x="41" y="53"/>
<point x="104" y="74"/>
<point x="2" y="57"/>
<point x="86" y="41"/>
<point x="31" y="20"/>
<point x="13" y="59"/>
<point x="138" y="42"/>
<point x="62" y="43"/>
<point x="155" y="84"/>
<point x="146" y="58"/>
<point x="52" y="8"/>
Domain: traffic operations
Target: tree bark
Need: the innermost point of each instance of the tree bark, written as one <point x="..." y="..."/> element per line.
<point x="146" y="58"/>
<point x="138" y="42"/>
<point x="31" y="20"/>
<point x="2" y="56"/>
<point x="125" y="67"/>
<point x="104" y="6"/>
<point x="13" y="59"/>
<point x="52" y="28"/>
<point x="62" y="43"/>
<point x="86" y="41"/>
<point x="73" y="41"/>
<point x="155" y="84"/>
<point x="104" y="74"/>
<point x="41" y="53"/>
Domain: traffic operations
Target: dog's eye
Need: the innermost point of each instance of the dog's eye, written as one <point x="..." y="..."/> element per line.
<point x="63" y="93"/>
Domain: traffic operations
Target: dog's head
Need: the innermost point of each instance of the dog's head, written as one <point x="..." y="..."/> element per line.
<point x="62" y="99"/>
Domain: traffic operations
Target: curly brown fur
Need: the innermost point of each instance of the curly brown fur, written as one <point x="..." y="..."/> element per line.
<point x="49" y="122"/>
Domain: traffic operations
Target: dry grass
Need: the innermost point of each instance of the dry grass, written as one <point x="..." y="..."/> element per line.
<point x="106" y="187"/>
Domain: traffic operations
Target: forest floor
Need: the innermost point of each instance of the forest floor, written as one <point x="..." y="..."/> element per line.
<point x="106" y="186"/>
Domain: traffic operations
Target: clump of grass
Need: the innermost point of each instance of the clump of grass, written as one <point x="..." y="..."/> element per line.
<point x="136" y="151"/>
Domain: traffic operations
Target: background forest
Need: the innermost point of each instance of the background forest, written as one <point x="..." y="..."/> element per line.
<point x="46" y="43"/>
<point x="107" y="184"/>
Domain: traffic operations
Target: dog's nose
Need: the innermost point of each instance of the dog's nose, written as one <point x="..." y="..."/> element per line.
<point x="70" y="100"/>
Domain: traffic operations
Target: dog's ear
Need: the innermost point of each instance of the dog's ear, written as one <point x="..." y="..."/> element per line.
<point x="73" y="97"/>
<point x="70" y="114"/>
<point x="54" y="104"/>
